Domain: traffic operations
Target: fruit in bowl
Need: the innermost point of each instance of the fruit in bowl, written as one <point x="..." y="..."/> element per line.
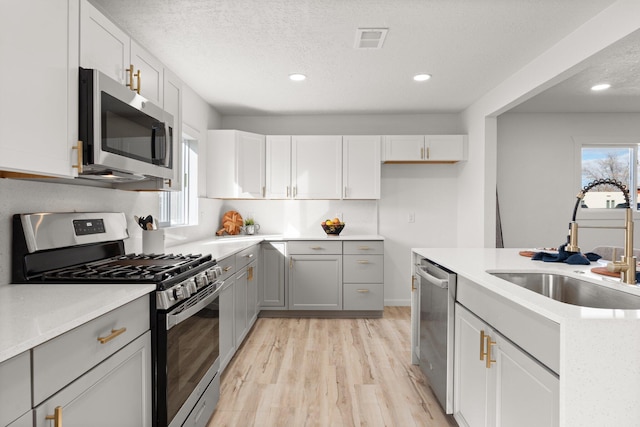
<point x="332" y="227"/>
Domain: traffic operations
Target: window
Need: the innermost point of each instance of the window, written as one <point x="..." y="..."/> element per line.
<point x="181" y="207"/>
<point x="609" y="161"/>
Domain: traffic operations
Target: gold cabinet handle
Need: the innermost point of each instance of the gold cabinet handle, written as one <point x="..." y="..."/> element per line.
<point x="56" y="417"/>
<point x="362" y="291"/>
<point x="482" y="337"/>
<point x="422" y="153"/>
<point x="489" y="360"/>
<point x="428" y="154"/>
<point x="130" y="71"/>
<point x="315" y="248"/>
<point x="413" y="283"/>
<point x="114" y="333"/>
<point x="295" y="191"/>
<point x="264" y="191"/>
<point x="363" y="248"/>
<point x="78" y="147"/>
<point x="363" y="261"/>
<point x="287" y="191"/>
<point x="227" y="268"/>
<point x="139" y="82"/>
<point x="250" y="273"/>
<point x="345" y="191"/>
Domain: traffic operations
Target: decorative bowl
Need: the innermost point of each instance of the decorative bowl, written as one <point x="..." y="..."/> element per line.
<point x="332" y="230"/>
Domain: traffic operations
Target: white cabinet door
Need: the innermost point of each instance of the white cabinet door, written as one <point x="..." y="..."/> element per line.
<point x="471" y="377"/>
<point x="316" y="169"/>
<point x="272" y="275"/>
<point x="278" y="167"/>
<point x="497" y="383"/>
<point x="149" y="74"/>
<point x="361" y="167"/>
<point x="103" y="45"/>
<point x="172" y="101"/>
<point x="527" y="394"/>
<point x="227" y="320"/>
<point x="122" y="383"/>
<point x="236" y="164"/>
<point x="315" y="282"/>
<point x="446" y="148"/>
<point x="404" y="148"/>
<point x="250" y="165"/>
<point x="39" y="87"/>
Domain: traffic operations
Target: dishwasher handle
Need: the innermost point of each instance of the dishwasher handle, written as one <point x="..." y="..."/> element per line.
<point x="441" y="283"/>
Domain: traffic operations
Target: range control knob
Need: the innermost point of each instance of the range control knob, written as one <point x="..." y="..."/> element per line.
<point x="180" y="293"/>
<point x="192" y="286"/>
<point x="201" y="280"/>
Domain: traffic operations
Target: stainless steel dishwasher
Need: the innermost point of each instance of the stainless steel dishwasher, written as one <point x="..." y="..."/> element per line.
<point x="437" y="300"/>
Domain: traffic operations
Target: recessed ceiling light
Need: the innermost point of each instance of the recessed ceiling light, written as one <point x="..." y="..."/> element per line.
<point x="603" y="86"/>
<point x="421" y="77"/>
<point x="297" y="77"/>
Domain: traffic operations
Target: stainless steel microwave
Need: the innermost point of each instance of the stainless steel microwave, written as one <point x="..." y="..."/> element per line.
<point x="124" y="137"/>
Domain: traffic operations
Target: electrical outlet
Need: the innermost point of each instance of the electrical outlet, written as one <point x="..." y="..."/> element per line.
<point x="411" y="217"/>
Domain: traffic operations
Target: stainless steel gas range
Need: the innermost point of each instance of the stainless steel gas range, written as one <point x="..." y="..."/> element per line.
<point x="89" y="248"/>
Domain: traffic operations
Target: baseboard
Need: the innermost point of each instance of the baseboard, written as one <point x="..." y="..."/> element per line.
<point x="400" y="302"/>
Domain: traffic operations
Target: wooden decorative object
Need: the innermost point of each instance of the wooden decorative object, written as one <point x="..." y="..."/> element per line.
<point x="231" y="223"/>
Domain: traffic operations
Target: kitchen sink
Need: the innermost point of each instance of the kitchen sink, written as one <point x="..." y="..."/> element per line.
<point x="574" y="291"/>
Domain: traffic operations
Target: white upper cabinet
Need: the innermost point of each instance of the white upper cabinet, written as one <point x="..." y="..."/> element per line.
<point x="278" y="167"/>
<point x="39" y="87"/>
<point x="236" y="165"/>
<point x="421" y="148"/>
<point x="316" y="166"/>
<point x="104" y="46"/>
<point x="361" y="167"/>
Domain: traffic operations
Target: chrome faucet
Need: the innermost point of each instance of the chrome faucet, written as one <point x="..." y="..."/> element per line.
<point x="626" y="266"/>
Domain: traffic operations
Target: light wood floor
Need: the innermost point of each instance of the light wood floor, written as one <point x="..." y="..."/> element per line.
<point x="327" y="372"/>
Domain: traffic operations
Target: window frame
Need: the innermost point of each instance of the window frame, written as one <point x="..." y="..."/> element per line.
<point x="604" y="142"/>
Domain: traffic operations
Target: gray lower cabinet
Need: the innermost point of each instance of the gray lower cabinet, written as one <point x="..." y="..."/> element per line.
<point x="271" y="292"/>
<point x="315" y="282"/>
<point x="117" y="392"/>
<point x="98" y="374"/>
<point x="252" y="293"/>
<point x="240" y="306"/>
<point x="15" y="390"/>
<point x="363" y="287"/>
<point x="227" y="334"/>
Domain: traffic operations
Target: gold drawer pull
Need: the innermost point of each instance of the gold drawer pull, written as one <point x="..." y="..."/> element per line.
<point x="363" y="248"/>
<point x="363" y="261"/>
<point x="227" y="268"/>
<point x="56" y="417"/>
<point x="114" y="333"/>
<point x="130" y="71"/>
<point x="489" y="359"/>
<point x="315" y="248"/>
<point x="362" y="291"/>
<point x="78" y="147"/>
<point x="482" y="337"/>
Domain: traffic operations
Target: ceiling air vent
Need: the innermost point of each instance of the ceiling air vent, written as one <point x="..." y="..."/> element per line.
<point x="370" y="38"/>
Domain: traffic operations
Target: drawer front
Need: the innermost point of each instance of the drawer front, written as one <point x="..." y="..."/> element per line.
<point x="228" y="266"/>
<point x="15" y="387"/>
<point x="365" y="247"/>
<point x="363" y="296"/>
<point x="314" y="247"/>
<point x="245" y="256"/>
<point x="61" y="360"/>
<point x="363" y="268"/>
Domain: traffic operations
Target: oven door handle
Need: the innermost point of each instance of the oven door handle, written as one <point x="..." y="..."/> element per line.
<point x="176" y="319"/>
<point x="441" y="283"/>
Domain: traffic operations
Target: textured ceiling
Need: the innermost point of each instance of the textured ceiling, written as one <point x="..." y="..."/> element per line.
<point x="237" y="54"/>
<point x="618" y="65"/>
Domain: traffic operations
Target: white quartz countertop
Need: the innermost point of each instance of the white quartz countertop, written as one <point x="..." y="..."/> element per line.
<point x="31" y="314"/>
<point x="222" y="247"/>
<point x="476" y="263"/>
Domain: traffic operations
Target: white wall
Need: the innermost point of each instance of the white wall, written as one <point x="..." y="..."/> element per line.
<point x="539" y="175"/>
<point x="429" y="191"/>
